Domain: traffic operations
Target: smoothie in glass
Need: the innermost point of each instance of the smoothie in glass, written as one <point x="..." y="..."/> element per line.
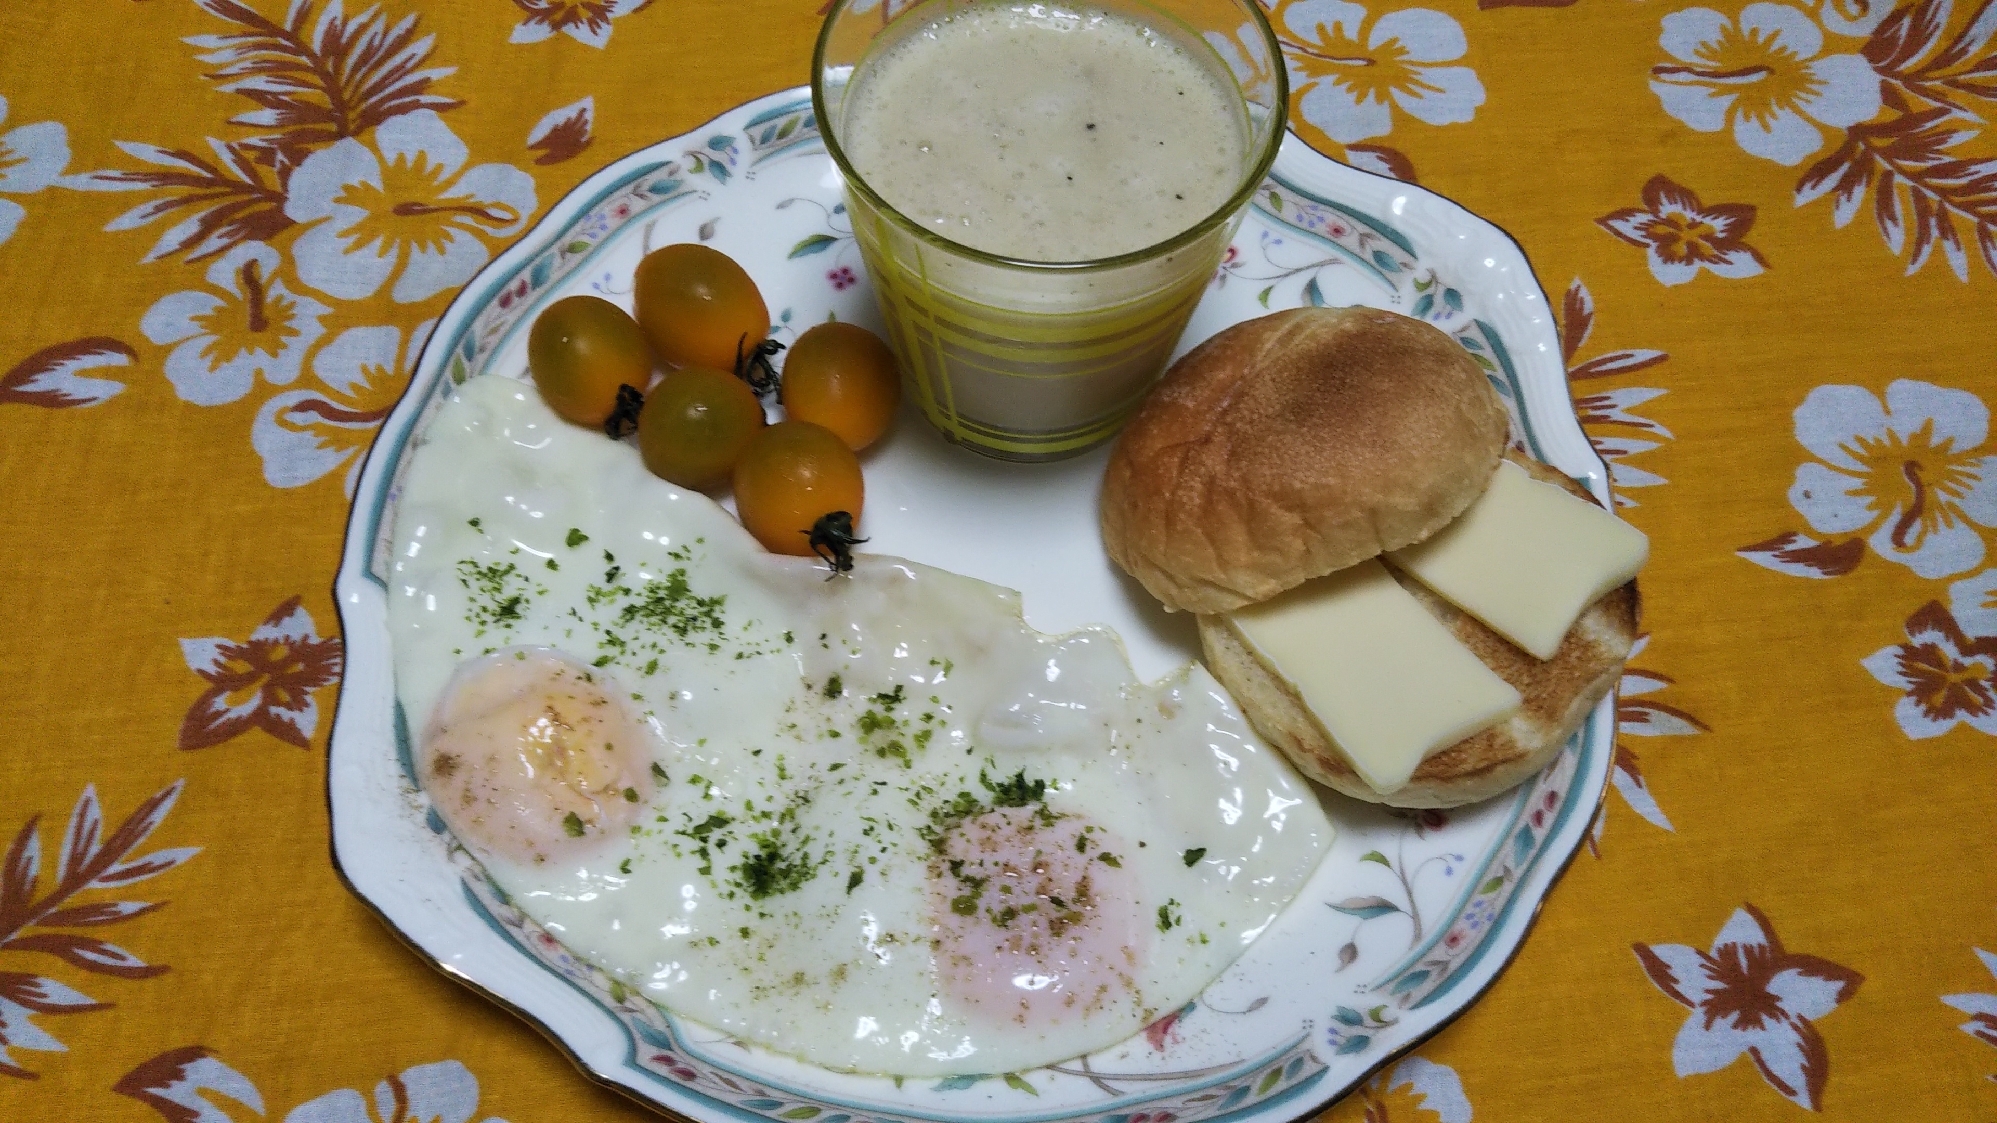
<point x="1040" y="194"/>
<point x="1046" y="134"/>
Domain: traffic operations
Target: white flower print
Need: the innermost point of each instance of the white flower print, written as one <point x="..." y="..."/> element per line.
<point x="1981" y="1008"/>
<point x="304" y="434"/>
<point x="1945" y="678"/>
<point x="1973" y="603"/>
<point x="1246" y="54"/>
<point x="247" y="324"/>
<point x="1348" y="73"/>
<point x="444" y="1092"/>
<point x="1907" y="474"/>
<point x="1415" y="1088"/>
<point x="17" y="1028"/>
<point x="585" y="21"/>
<point x="1751" y="995"/>
<point x="31" y="158"/>
<point x="1682" y="235"/>
<point x="192" y="1085"/>
<point x="1761" y="74"/>
<point x="405" y="207"/>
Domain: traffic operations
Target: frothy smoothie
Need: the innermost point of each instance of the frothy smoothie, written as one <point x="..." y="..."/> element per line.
<point x="1046" y="134"/>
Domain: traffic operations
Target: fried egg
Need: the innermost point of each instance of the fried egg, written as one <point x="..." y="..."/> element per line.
<point x="876" y="822"/>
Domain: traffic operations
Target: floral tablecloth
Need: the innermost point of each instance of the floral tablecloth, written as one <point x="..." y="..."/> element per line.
<point x="226" y="227"/>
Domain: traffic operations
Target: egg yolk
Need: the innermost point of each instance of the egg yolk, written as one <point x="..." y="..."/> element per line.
<point x="533" y="756"/>
<point x="1036" y="919"/>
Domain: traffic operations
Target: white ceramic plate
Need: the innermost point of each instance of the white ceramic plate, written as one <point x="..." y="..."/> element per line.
<point x="1409" y="919"/>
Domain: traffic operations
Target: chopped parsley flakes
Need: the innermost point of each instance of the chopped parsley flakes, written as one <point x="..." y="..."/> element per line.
<point x="1013" y="791"/>
<point x="892" y="737"/>
<point x="778" y="865"/>
<point x="499" y="594"/>
<point x="670" y="604"/>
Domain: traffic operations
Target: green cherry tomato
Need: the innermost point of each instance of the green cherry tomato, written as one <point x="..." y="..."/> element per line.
<point x="695" y="424"/>
<point x="580" y="350"/>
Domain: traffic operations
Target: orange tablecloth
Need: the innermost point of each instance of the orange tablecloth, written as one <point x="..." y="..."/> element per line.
<point x="1772" y="229"/>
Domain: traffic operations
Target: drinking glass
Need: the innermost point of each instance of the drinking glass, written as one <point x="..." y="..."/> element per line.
<point x="1037" y="360"/>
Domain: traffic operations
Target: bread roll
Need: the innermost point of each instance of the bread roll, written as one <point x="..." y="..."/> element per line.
<point x="1290" y="446"/>
<point x="1558" y="695"/>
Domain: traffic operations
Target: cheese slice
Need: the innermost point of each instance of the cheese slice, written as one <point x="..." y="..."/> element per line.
<point x="1527" y="558"/>
<point x="1387" y="681"/>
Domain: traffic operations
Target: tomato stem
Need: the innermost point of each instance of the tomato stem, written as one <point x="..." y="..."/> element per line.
<point x="832" y="540"/>
<point x="752" y="365"/>
<point x="623" y="419"/>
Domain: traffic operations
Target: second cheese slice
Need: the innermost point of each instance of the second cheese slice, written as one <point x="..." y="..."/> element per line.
<point x="1527" y="558"/>
<point x="1387" y="681"/>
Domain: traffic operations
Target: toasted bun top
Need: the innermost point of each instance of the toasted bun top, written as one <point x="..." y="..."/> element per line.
<point x="1292" y="446"/>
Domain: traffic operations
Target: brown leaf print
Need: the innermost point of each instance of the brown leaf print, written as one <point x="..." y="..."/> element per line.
<point x="1920" y="184"/>
<point x="265" y="682"/>
<point x="1799" y="555"/>
<point x="319" y="77"/>
<point x="1608" y="416"/>
<point x="1655" y="719"/>
<point x="51" y="377"/>
<point x="315" y="78"/>
<point x="1629" y="771"/>
<point x="34" y="995"/>
<point x="1983" y="1027"/>
<point x="173" y="1082"/>
<point x="1577" y="322"/>
<point x="1906" y="50"/>
<point x="1752" y="995"/>
<point x="1615" y="363"/>
<point x="1640" y="716"/>
<point x="232" y="198"/>
<point x="564" y="133"/>
<point x="88" y="860"/>
<point x="1981" y="1007"/>
<point x="1917" y="184"/>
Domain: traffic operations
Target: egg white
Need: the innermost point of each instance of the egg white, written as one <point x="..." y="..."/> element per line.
<point x="828" y="748"/>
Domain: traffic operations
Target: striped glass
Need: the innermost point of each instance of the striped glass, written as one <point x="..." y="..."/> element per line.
<point x="1028" y="360"/>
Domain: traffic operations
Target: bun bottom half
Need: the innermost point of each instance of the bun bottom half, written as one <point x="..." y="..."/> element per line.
<point x="1558" y="695"/>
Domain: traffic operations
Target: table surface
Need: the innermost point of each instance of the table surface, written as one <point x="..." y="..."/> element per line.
<point x="1772" y="232"/>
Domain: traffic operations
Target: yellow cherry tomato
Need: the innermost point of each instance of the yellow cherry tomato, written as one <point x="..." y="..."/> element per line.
<point x="695" y="424"/>
<point x="580" y="350"/>
<point x="697" y="306"/>
<point x="843" y="377"/>
<point x="791" y="475"/>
